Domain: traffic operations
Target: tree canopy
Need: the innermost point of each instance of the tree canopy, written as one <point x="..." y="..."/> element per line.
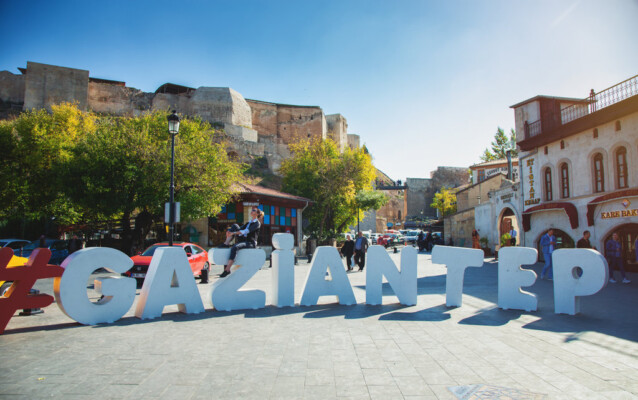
<point x="340" y="184"/>
<point x="444" y="201"/>
<point x="500" y="145"/>
<point x="78" y="166"/>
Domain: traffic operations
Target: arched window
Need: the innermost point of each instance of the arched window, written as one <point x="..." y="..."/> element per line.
<point x="599" y="176"/>
<point x="621" y="168"/>
<point x="548" y="184"/>
<point x="564" y="180"/>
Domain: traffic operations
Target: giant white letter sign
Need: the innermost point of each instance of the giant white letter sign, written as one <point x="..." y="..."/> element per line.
<point x="169" y="280"/>
<point x="283" y="270"/>
<point x="403" y="283"/>
<point x="225" y="293"/>
<point x="511" y="277"/>
<point x="568" y="286"/>
<point x="70" y="288"/>
<point x="317" y="285"/>
<point x="456" y="259"/>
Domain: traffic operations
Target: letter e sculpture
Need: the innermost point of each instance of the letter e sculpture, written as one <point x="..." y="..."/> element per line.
<point x="511" y="277"/>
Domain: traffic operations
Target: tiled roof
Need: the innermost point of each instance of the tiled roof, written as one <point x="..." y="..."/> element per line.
<point x="494" y="162"/>
<point x="246" y="188"/>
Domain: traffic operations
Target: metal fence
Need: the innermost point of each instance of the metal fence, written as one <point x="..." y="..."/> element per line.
<point x="593" y="103"/>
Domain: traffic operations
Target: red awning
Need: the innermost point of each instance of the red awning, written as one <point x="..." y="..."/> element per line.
<point x="569" y="209"/>
<point x="591" y="206"/>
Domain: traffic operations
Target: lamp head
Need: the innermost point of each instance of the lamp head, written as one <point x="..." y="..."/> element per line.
<point x="173" y="123"/>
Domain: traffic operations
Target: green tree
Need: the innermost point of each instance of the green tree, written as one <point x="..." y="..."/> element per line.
<point x="332" y="180"/>
<point x="367" y="200"/>
<point x="76" y="166"/>
<point x="37" y="145"/>
<point x="500" y="145"/>
<point x="122" y="169"/>
<point x="444" y="201"/>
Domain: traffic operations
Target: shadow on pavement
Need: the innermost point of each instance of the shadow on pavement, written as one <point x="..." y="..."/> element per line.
<point x="438" y="313"/>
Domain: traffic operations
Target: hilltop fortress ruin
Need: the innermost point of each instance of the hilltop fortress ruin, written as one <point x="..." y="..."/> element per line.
<point x="256" y="129"/>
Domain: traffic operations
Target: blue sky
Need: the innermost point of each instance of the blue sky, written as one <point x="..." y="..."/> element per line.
<point x="425" y="83"/>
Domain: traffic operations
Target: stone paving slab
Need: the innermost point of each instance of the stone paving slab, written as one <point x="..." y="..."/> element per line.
<point x="330" y="351"/>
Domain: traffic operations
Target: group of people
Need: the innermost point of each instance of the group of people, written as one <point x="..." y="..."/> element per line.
<point x="426" y="240"/>
<point x="613" y="253"/>
<point x="356" y="249"/>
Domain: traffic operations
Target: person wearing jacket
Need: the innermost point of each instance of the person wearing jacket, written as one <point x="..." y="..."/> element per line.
<point x="360" y="249"/>
<point x="613" y="250"/>
<point x="347" y="250"/>
<point x="548" y="242"/>
<point x="245" y="238"/>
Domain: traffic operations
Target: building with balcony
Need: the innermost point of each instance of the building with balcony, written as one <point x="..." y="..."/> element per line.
<point x="579" y="167"/>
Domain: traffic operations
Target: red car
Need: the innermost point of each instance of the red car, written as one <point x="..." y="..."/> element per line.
<point x="197" y="258"/>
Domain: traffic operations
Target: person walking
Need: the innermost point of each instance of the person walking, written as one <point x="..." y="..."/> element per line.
<point x="75" y="244"/>
<point x="476" y="244"/>
<point x="583" y="243"/>
<point x="548" y="242"/>
<point x="513" y="237"/>
<point x="428" y="241"/>
<point x="246" y="238"/>
<point x="360" y="249"/>
<point x="347" y="250"/>
<point x="420" y="240"/>
<point x="613" y="250"/>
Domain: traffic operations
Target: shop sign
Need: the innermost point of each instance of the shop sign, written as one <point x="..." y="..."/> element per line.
<point x="226" y="221"/>
<point x="619" y="214"/>
<point x="507" y="197"/>
<point x="530" y="179"/>
<point x="251" y="204"/>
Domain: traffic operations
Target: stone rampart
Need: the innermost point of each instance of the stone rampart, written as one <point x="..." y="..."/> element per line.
<point x="47" y="85"/>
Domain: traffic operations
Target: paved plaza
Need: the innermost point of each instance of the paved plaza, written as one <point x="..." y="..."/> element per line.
<point x="329" y="351"/>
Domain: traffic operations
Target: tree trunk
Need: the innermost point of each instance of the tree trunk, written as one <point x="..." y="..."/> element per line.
<point x="143" y="224"/>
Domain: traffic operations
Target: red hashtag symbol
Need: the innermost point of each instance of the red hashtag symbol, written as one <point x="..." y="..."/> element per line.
<point x="24" y="277"/>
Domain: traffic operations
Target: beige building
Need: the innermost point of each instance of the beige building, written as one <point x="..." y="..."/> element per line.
<point x="459" y="226"/>
<point x="578" y="170"/>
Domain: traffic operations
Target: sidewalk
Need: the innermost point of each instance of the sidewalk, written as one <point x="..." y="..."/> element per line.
<point x="333" y="351"/>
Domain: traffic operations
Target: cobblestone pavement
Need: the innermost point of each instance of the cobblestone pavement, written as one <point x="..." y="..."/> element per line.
<point x="333" y="351"/>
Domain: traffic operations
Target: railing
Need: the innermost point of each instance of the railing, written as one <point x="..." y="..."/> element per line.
<point x="593" y="103"/>
<point x="532" y="129"/>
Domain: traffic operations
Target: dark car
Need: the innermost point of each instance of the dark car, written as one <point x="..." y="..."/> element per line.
<point x="197" y="258"/>
<point x="15" y="244"/>
<point x="59" y="249"/>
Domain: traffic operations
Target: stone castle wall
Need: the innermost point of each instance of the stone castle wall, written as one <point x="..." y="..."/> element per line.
<point x="258" y="128"/>
<point x="421" y="191"/>
<point x="338" y="129"/>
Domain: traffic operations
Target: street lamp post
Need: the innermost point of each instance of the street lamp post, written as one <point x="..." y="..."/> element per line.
<point x="173" y="129"/>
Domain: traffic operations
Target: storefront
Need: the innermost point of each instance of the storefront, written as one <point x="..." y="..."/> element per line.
<point x="282" y="214"/>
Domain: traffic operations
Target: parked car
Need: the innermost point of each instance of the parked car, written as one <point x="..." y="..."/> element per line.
<point x="374" y="237"/>
<point x="390" y="239"/>
<point x="197" y="258"/>
<point x="59" y="249"/>
<point x="411" y="237"/>
<point x="15" y="244"/>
